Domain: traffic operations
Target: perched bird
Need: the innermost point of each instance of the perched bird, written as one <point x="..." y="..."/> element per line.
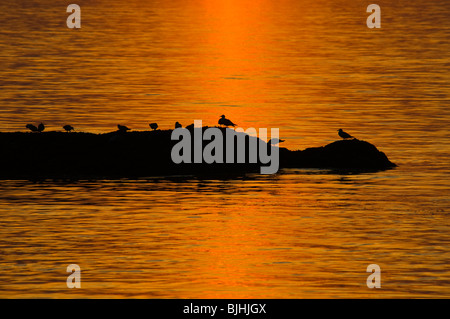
<point x="343" y="134"/>
<point x="31" y="127"/>
<point x="178" y="125"/>
<point x="41" y="127"/>
<point x="154" y="126"/>
<point x="122" y="128"/>
<point x="68" y="128"/>
<point x="225" y="121"/>
<point x="275" y="141"/>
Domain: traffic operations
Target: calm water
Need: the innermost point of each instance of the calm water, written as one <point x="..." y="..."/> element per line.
<point x="306" y="67"/>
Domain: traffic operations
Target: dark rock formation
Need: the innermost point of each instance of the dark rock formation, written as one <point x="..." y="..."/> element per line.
<point x="140" y="154"/>
<point x="343" y="154"/>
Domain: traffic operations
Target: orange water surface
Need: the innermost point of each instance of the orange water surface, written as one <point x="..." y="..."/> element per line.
<point x="306" y="67"/>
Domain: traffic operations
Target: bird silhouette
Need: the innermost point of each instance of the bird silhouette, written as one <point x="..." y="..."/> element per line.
<point x="343" y="134"/>
<point x="122" y="128"/>
<point x="31" y="127"/>
<point x="154" y="126"/>
<point x="226" y="122"/>
<point x="178" y="125"/>
<point x="275" y="141"/>
<point x="68" y="128"/>
<point x="41" y="127"/>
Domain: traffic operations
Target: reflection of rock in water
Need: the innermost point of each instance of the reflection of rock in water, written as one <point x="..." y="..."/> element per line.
<point x="140" y="154"/>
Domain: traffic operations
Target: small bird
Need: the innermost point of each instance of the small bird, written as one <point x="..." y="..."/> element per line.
<point x="343" y="134"/>
<point x="68" y="128"/>
<point x="275" y="141"/>
<point x="122" y="128"/>
<point x="225" y="121"/>
<point x="41" y="127"/>
<point x="178" y="125"/>
<point x="31" y="127"/>
<point x="154" y="126"/>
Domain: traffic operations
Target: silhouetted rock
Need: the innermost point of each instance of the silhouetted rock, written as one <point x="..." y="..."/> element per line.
<point x="139" y="154"/>
<point x="343" y="154"/>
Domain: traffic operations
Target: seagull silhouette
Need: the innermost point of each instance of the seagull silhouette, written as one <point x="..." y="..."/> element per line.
<point x="122" y="128"/>
<point x="343" y="134"/>
<point x="31" y="127"/>
<point x="226" y="122"/>
<point x="153" y="126"/>
<point x="178" y="125"/>
<point x="41" y="127"/>
<point x="68" y="128"/>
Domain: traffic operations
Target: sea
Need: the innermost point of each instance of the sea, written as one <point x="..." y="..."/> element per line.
<point x="307" y="67"/>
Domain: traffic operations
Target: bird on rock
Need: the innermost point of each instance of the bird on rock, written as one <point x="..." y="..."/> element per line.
<point x="31" y="127"/>
<point x="68" y="128"/>
<point x="343" y="134"/>
<point x="122" y="128"/>
<point x="226" y="122"/>
<point x="41" y="127"/>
